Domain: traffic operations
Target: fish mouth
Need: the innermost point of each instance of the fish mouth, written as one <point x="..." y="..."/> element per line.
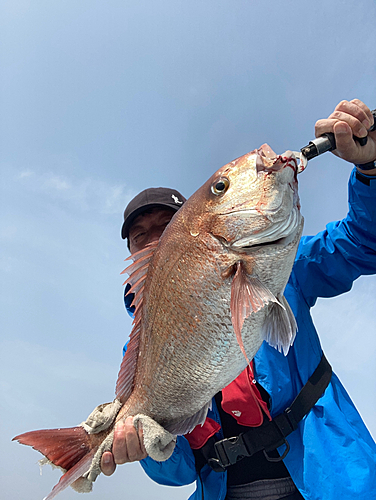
<point x="253" y="212"/>
<point x="269" y="160"/>
<point x="280" y="234"/>
<point x="279" y="242"/>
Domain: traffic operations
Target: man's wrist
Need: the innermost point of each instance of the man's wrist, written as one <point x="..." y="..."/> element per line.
<point x="368" y="168"/>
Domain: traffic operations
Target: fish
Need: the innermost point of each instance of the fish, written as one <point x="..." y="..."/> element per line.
<point x="206" y="296"/>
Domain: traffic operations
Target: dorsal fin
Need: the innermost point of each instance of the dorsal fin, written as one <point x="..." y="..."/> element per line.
<point x="137" y="274"/>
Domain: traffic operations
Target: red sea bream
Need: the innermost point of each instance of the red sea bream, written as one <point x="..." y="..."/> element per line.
<point x="206" y="295"/>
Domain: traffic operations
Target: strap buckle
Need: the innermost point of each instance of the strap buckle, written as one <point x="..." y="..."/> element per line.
<point x="280" y="458"/>
<point x="228" y="452"/>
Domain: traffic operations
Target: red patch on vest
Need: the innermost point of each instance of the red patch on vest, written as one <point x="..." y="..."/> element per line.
<point x="242" y="400"/>
<point x="201" y="433"/>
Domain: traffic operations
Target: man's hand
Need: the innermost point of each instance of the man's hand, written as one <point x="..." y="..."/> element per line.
<point x="128" y="446"/>
<point x="350" y="118"/>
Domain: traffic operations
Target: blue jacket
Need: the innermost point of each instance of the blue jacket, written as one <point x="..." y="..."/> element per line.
<point x="332" y="455"/>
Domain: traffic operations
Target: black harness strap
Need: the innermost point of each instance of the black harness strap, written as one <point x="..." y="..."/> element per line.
<point x="271" y="434"/>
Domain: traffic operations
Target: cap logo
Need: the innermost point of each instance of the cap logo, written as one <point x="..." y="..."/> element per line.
<point x="176" y="200"/>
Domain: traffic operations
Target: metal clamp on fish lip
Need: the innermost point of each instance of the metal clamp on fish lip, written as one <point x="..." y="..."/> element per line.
<point x="298" y="155"/>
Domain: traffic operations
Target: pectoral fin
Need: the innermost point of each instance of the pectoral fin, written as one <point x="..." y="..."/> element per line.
<point x="280" y="327"/>
<point x="248" y="295"/>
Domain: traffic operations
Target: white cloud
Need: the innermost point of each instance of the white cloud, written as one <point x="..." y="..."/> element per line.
<point x="75" y="192"/>
<point x="55" y="182"/>
<point x="25" y="173"/>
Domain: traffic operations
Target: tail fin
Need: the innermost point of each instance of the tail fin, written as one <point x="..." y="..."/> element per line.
<point x="70" y="449"/>
<point x="63" y="447"/>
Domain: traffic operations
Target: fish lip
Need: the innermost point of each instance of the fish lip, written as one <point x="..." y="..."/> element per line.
<point x="273" y="163"/>
<point x="254" y="211"/>
<point x="282" y="235"/>
<point x="286" y="240"/>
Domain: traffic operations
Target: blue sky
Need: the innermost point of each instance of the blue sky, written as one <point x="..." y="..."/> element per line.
<point x="100" y="100"/>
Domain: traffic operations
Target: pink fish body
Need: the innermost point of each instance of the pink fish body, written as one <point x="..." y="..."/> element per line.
<point x="206" y="295"/>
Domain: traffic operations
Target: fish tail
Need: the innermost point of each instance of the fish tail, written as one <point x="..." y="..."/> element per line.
<point x="64" y="448"/>
<point x="70" y="449"/>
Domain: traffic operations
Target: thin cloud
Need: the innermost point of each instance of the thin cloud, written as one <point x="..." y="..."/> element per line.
<point x="56" y="183"/>
<point x="79" y="193"/>
<point x="25" y="173"/>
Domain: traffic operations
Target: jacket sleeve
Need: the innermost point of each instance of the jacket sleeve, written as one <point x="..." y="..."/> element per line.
<point x="178" y="470"/>
<point x="327" y="264"/>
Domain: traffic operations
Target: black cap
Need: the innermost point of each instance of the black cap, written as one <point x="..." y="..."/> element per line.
<point x="150" y="198"/>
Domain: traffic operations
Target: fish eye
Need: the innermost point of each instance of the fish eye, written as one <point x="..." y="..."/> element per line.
<point x="220" y="186"/>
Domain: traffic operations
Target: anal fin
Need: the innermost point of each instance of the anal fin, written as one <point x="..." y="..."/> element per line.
<point x="188" y="424"/>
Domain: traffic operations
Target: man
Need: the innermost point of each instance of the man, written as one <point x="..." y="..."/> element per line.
<point x="331" y="454"/>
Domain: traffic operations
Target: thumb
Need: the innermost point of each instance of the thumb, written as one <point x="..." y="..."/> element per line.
<point x="107" y="463"/>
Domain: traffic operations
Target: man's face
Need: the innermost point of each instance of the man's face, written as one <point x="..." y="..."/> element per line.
<point x="148" y="227"/>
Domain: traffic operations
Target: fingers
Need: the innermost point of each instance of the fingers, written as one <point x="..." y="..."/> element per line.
<point x="119" y="447"/>
<point x="350" y="118"/>
<point x="128" y="446"/>
<point x="359" y="114"/>
<point x="355" y="113"/>
<point x="360" y="105"/>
